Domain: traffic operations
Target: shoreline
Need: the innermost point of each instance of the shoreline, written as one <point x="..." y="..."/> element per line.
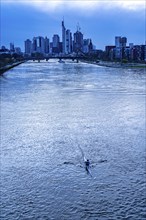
<point x="117" y="64"/>
<point x="100" y="63"/>
<point x="9" y="66"/>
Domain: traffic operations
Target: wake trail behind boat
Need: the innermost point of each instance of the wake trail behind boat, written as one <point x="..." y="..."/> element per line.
<point x="82" y="152"/>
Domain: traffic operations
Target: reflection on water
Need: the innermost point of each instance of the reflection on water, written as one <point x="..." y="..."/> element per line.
<point x="49" y="112"/>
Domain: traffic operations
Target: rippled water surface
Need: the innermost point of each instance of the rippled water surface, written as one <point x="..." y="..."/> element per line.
<point x="53" y="114"/>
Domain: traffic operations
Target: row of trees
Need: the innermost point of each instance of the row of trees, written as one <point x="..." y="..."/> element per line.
<point x="7" y="58"/>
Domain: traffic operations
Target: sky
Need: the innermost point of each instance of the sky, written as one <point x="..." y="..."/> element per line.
<point x="100" y="20"/>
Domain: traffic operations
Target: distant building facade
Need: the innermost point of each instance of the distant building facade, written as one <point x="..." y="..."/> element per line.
<point x="78" y="42"/>
<point x="69" y="45"/>
<point x="12" y="48"/>
<point x="63" y="38"/>
<point x="56" y="43"/>
<point x="120" y="51"/>
<point x="39" y="45"/>
<point x="28" y="46"/>
<point x="47" y="45"/>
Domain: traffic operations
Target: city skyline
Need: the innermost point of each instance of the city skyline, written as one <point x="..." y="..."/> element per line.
<point x="42" y="18"/>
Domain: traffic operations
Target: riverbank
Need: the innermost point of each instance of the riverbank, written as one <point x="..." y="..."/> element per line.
<point x="9" y="66"/>
<point x="117" y="64"/>
<point x="123" y="65"/>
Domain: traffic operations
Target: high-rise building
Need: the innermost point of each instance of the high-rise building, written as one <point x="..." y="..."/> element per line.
<point x="123" y="41"/>
<point x="56" y="46"/>
<point x="120" y="41"/>
<point x="68" y="42"/>
<point x="117" y="41"/>
<point x="39" y="44"/>
<point x="34" y="45"/>
<point x="41" y="47"/>
<point x="63" y="38"/>
<point x="28" y="46"/>
<point x="56" y="40"/>
<point x="51" y="47"/>
<point x="12" y="49"/>
<point x="78" y="41"/>
<point x="47" y="45"/>
<point x="87" y="46"/>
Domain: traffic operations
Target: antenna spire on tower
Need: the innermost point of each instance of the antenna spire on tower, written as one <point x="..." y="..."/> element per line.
<point x="78" y="27"/>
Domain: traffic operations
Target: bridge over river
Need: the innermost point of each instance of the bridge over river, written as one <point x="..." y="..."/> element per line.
<point x="73" y="58"/>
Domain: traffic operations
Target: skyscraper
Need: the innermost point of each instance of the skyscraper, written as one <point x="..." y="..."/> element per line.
<point x="39" y="44"/>
<point x="63" y="38"/>
<point x="87" y="45"/>
<point x="28" y="46"/>
<point x="78" y="41"/>
<point x="47" y="45"/>
<point x="56" y="41"/>
<point x="12" y="49"/>
<point x="123" y="41"/>
<point x="68" y="42"/>
<point x="34" y="45"/>
<point x="120" y="41"/>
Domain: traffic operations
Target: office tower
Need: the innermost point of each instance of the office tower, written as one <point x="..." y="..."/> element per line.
<point x="118" y="50"/>
<point x="86" y="45"/>
<point x="51" y="47"/>
<point x="47" y="45"/>
<point x="34" y="45"/>
<point x="123" y="41"/>
<point x="56" y="41"/>
<point x="12" y="49"/>
<point x="28" y="46"/>
<point x="63" y="38"/>
<point x="78" y="41"/>
<point x="90" y="46"/>
<point x="68" y="42"/>
<point x="39" y="44"/>
<point x="118" y="41"/>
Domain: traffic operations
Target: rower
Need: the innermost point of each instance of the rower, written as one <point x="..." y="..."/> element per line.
<point x="87" y="163"/>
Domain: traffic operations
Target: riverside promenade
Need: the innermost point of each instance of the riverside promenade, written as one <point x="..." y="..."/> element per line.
<point x="9" y="66"/>
<point x="117" y="64"/>
<point x="100" y="63"/>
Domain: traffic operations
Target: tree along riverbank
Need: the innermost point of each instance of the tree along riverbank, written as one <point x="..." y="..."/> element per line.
<point x="8" y="61"/>
<point x="9" y="66"/>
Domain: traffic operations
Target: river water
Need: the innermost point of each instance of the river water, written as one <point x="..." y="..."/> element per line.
<point x="53" y="114"/>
